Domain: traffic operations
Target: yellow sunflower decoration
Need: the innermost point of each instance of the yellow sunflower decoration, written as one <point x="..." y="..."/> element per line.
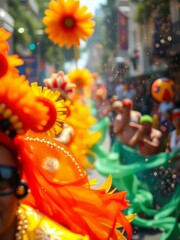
<point x="80" y="77"/>
<point x="67" y="22"/>
<point x="59" y="106"/>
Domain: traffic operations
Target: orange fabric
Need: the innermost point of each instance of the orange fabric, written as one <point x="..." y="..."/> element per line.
<point x="58" y="190"/>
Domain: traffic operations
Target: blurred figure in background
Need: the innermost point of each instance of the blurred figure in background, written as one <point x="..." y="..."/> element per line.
<point x="119" y="90"/>
<point x="167" y="126"/>
<point x="116" y="110"/>
<point x="150" y="142"/>
<point x="126" y="127"/>
<point x="128" y="91"/>
<point x="101" y="102"/>
<point x="139" y="97"/>
<point x="162" y="109"/>
<point x="173" y="140"/>
<point x="147" y="103"/>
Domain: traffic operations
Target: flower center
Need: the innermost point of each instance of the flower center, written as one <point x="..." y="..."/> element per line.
<point x="78" y="82"/>
<point x="69" y="22"/>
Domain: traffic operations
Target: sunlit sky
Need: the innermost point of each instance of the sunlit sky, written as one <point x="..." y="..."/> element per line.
<point x="92" y="4"/>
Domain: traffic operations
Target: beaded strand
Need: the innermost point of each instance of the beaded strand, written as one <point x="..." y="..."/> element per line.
<point x="22" y="225"/>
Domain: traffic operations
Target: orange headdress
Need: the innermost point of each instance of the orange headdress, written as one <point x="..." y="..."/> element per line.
<point x="21" y="109"/>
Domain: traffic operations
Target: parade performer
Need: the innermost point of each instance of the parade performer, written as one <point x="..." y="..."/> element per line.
<point x="60" y="203"/>
<point x="164" y="214"/>
<point x="20" y="110"/>
<point x="125" y="178"/>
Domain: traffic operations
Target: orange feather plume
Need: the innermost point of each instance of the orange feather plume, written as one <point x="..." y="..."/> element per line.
<point x="64" y="184"/>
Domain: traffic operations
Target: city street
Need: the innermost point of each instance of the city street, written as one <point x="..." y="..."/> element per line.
<point x="102" y="77"/>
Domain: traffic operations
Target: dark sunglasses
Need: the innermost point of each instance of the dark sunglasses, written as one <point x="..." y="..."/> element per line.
<point x="9" y="180"/>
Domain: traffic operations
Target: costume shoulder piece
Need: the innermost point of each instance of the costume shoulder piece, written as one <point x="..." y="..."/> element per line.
<point x="41" y="227"/>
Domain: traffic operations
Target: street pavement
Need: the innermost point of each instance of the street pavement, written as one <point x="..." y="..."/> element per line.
<point x="138" y="233"/>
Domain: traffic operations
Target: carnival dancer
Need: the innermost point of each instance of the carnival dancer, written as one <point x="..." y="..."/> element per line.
<point x="156" y="208"/>
<point x="21" y="110"/>
<point x="59" y="188"/>
<point x="17" y="220"/>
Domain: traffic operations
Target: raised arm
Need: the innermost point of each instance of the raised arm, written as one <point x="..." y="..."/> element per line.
<point x="119" y="124"/>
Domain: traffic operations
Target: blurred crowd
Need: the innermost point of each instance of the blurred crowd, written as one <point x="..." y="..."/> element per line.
<point x="133" y="112"/>
<point x="140" y="122"/>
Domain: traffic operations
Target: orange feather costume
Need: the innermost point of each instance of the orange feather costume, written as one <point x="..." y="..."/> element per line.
<point x="59" y="186"/>
<point x="60" y="189"/>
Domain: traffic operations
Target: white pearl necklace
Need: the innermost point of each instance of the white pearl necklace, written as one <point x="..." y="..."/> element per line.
<point x="22" y="225"/>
